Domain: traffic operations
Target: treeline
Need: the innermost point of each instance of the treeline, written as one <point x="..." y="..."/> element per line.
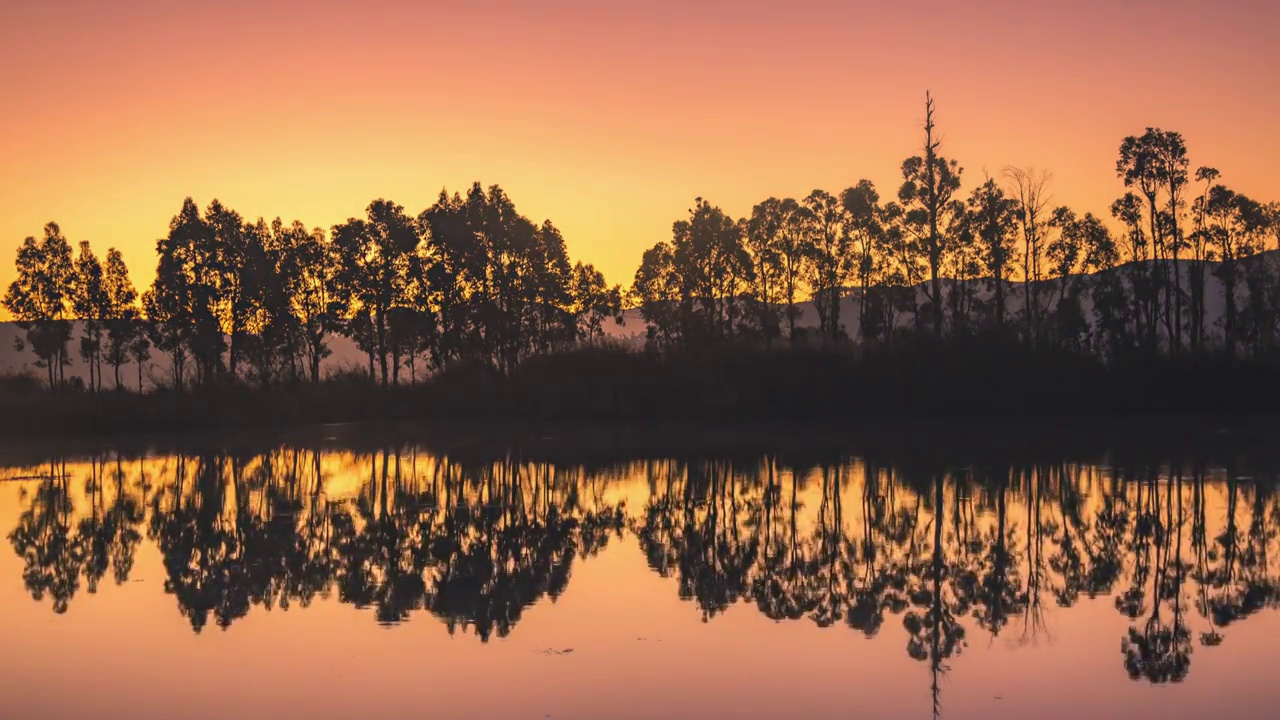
<point x="939" y="264"/>
<point x="470" y="281"/>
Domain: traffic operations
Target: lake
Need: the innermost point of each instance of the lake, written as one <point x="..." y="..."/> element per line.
<point x="327" y="575"/>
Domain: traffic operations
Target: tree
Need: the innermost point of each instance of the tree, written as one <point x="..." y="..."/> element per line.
<point x="900" y="246"/>
<point x="549" y="290"/>
<point x="656" y="292"/>
<point x="792" y="257"/>
<point x="929" y="183"/>
<point x="1200" y="248"/>
<point x="993" y="217"/>
<point x="491" y="285"/>
<point x="1171" y="157"/>
<point x="120" y="311"/>
<point x="455" y="275"/>
<point x="1236" y="227"/>
<point x="40" y="296"/>
<point x="1143" y="282"/>
<point x="763" y="232"/>
<point x="689" y="289"/>
<point x="305" y="264"/>
<point x="372" y="255"/>
<point x="186" y="298"/>
<point x="140" y="346"/>
<point x="88" y="300"/>
<point x="1066" y="253"/>
<point x="1156" y="161"/>
<point x="1031" y="190"/>
<point x="827" y="241"/>
<point x="862" y="208"/>
<point x="962" y="264"/>
<point x="165" y="305"/>
<point x="227" y="252"/>
<point x="594" y="301"/>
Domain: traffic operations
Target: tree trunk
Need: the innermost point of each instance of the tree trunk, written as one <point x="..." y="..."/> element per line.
<point x="1000" y="298"/>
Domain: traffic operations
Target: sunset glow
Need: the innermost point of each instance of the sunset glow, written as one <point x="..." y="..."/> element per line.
<point x="607" y="118"/>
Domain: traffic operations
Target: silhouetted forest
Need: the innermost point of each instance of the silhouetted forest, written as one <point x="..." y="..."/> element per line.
<point x="996" y="300"/>
<point x="939" y="550"/>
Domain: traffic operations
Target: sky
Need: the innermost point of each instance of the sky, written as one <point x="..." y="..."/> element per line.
<point x="609" y="118"/>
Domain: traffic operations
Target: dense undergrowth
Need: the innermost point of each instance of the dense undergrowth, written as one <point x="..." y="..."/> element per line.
<point x="915" y="383"/>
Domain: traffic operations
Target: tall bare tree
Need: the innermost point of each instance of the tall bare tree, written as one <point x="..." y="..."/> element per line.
<point x="1031" y="188"/>
<point x="930" y="181"/>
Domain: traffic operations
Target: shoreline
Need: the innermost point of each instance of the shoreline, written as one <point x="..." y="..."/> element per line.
<point x="965" y="439"/>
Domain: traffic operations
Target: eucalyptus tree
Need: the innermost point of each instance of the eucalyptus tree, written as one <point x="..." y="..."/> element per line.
<point x="234" y="248"/>
<point x="713" y="266"/>
<point x="40" y="298"/>
<point x="504" y="240"/>
<point x="1236" y="226"/>
<point x="1200" y="244"/>
<point x="1156" y="163"/>
<point x="992" y="216"/>
<point x="1032" y="189"/>
<point x="1171" y="158"/>
<point x="1144" y="286"/>
<point x="689" y="289"/>
<point x="962" y="265"/>
<point x="306" y="272"/>
<point x="1273" y="220"/>
<point x="1065" y="253"/>
<point x="930" y="182"/>
<point x="269" y="330"/>
<point x="547" y="284"/>
<point x="656" y="292"/>
<point x="455" y="278"/>
<point x="763" y="232"/>
<point x="792" y="257"/>
<point x="186" y="298"/>
<point x="908" y="269"/>
<point x="496" y="285"/>
<point x="139" y="347"/>
<point x="828" y="242"/>
<point x="88" y="301"/>
<point x="594" y="301"/>
<point x="121" y="313"/>
<point x="166" y="305"/>
<point x="1099" y="256"/>
<point x="862" y="208"/>
<point x="371" y="258"/>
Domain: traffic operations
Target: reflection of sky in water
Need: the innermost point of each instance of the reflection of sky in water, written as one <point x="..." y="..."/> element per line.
<point x="647" y="589"/>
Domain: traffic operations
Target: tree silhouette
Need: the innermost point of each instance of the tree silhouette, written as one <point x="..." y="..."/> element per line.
<point x="1032" y="189"/>
<point x="120" y="314"/>
<point x="929" y="183"/>
<point x="991" y="216"/>
<point x="865" y="217"/>
<point x="828" y="243"/>
<point x="40" y="296"/>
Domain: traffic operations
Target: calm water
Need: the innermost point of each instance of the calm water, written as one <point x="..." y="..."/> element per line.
<point x="318" y="580"/>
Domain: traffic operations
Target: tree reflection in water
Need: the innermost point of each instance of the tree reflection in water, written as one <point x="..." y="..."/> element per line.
<point x="948" y="549"/>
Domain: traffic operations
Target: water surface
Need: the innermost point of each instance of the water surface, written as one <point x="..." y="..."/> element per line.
<point x="316" y="578"/>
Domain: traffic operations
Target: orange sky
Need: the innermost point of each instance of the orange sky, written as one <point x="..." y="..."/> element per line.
<point x="607" y="118"/>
